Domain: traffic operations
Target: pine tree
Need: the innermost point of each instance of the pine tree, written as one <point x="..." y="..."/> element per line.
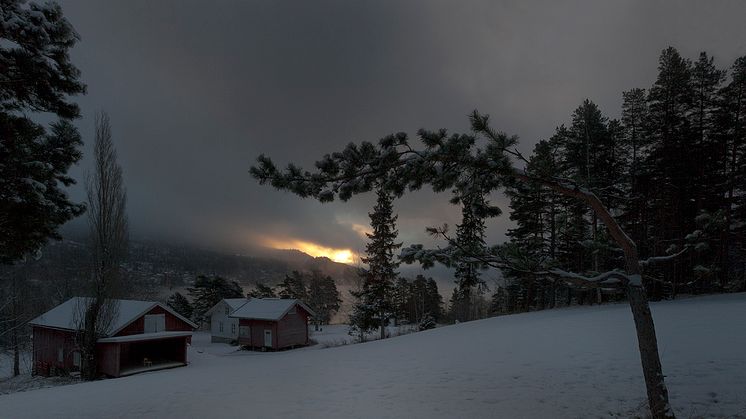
<point x="433" y="301"/>
<point x="418" y="299"/>
<point x="293" y="286"/>
<point x="400" y="299"/>
<point x="208" y="291"/>
<point x="323" y="298"/>
<point x="636" y="182"/>
<point x="180" y="304"/>
<point x="262" y="291"/>
<point x="672" y="155"/>
<point x="37" y="77"/>
<point x="378" y="280"/>
<point x="731" y="134"/>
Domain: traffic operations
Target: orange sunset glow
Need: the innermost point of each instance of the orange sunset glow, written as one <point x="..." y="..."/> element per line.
<point x="313" y="249"/>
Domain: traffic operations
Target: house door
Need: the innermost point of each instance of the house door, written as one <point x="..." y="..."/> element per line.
<point x="268" y="337"/>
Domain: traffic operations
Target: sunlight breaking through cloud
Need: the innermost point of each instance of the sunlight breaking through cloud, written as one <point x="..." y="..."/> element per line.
<point x="313" y="249"/>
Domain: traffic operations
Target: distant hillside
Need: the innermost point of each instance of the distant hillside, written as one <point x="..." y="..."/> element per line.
<point x="155" y="267"/>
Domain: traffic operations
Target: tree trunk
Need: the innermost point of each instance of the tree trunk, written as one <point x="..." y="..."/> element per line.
<point x="14" y="338"/>
<point x="638" y="301"/>
<point x="88" y="348"/>
<point x="16" y="351"/>
<point x="648" y="344"/>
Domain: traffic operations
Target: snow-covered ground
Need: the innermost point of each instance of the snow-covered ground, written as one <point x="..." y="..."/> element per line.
<point x="576" y="362"/>
<point x="338" y="334"/>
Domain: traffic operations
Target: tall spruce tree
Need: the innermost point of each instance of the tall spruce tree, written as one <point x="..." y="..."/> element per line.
<point x="374" y="299"/>
<point x="470" y="235"/>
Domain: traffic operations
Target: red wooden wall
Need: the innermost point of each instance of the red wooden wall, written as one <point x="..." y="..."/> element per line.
<point x="108" y="358"/>
<point x="47" y="343"/>
<point x="173" y="323"/>
<point x="291" y="330"/>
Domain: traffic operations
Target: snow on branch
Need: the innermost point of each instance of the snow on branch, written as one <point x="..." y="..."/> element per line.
<point x="662" y="259"/>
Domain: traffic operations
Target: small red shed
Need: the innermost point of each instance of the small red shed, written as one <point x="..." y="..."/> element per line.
<point x="143" y="336"/>
<point x="273" y="323"/>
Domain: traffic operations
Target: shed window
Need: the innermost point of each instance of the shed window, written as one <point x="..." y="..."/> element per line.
<point x="220" y="326"/>
<point x="155" y="323"/>
<point x="60" y="355"/>
<point x="76" y="359"/>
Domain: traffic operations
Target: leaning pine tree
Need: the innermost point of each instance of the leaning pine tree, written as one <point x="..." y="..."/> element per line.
<point x="362" y="168"/>
<point x="374" y="297"/>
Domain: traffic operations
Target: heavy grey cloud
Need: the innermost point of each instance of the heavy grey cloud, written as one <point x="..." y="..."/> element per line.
<point x="196" y="90"/>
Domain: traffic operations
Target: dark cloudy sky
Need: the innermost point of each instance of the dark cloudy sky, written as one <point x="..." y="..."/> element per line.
<point x="196" y="90"/>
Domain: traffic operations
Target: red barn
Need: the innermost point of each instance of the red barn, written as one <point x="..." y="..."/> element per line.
<point x="273" y="323"/>
<point x="143" y="336"/>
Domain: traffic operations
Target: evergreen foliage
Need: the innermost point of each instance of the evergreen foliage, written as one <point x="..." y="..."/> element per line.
<point x="323" y="298"/>
<point x="37" y="77"/>
<point x="374" y="300"/>
<point x="652" y="204"/>
<point x="293" y="286"/>
<point x="180" y="304"/>
<point x="208" y="291"/>
<point x="262" y="291"/>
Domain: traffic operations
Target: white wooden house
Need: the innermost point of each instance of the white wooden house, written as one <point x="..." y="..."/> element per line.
<point x="222" y="327"/>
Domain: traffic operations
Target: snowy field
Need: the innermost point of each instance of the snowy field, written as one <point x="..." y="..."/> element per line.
<point x="568" y="363"/>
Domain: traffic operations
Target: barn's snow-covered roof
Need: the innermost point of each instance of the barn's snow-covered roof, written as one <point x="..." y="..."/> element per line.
<point x="268" y="308"/>
<point x="69" y="314"/>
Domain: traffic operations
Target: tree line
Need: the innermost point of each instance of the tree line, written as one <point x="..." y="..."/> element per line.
<point x="673" y="171"/>
<point x="634" y="205"/>
<point x="319" y="292"/>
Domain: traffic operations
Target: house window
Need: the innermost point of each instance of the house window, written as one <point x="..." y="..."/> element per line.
<point x="220" y="326"/>
<point x="244" y="331"/>
<point x="233" y="328"/>
<point x="60" y="355"/>
<point x="76" y="359"/>
<point x="227" y="310"/>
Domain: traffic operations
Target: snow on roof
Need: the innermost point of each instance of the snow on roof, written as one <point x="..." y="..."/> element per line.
<point x="233" y="303"/>
<point x="267" y="308"/>
<point x="145" y="336"/>
<point x="68" y="314"/>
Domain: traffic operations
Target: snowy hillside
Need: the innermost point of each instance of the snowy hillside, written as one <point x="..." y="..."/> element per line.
<point x="577" y="362"/>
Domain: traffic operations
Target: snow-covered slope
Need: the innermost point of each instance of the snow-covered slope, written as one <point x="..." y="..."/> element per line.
<point x="578" y="362"/>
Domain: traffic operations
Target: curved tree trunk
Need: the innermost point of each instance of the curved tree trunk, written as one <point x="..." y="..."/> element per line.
<point x="647" y="341"/>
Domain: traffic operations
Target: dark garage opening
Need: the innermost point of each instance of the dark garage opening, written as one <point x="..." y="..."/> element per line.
<point x="151" y="355"/>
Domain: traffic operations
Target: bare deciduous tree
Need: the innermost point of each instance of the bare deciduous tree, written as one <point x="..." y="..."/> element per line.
<point x="109" y="238"/>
